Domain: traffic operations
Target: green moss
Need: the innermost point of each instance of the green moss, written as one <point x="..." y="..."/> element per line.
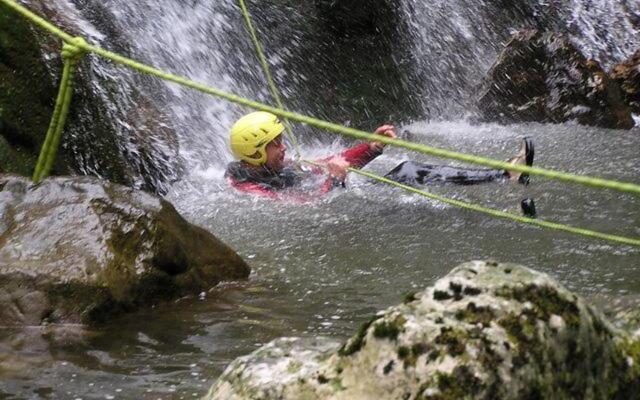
<point x="389" y="329"/>
<point x="336" y="385"/>
<point x="460" y="384"/>
<point x="354" y="344"/>
<point x="547" y="302"/>
<point x="441" y="295"/>
<point x="450" y="388"/>
<point x="629" y="388"/>
<point x="410" y="355"/>
<point x="294" y="367"/>
<point x="453" y="339"/>
<point x="419" y="348"/>
<point x="475" y="315"/>
<point x="520" y="329"/>
<point x="471" y="291"/>
<point x="403" y="352"/>
<point x="409" y="297"/>
<point x="389" y="367"/>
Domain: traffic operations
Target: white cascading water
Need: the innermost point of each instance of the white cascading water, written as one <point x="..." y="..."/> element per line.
<point x="452" y="43"/>
<point x="201" y="41"/>
<point x="605" y="30"/>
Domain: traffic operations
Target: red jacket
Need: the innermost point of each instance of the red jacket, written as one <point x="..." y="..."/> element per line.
<point x="289" y="184"/>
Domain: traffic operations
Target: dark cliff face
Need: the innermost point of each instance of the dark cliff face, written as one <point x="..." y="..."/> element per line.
<point x="27" y="94"/>
<point x="345" y="61"/>
<point x="543" y="77"/>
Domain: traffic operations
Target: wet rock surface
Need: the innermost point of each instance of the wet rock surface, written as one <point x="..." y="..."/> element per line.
<point x="542" y="77"/>
<point x="79" y="250"/>
<point x="627" y="75"/>
<point x="115" y="129"/>
<point x="485" y="331"/>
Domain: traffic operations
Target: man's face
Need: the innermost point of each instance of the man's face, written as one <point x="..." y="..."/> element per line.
<point x="275" y="150"/>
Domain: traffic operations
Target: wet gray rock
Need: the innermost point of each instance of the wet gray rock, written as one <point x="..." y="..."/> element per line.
<point x="627" y="75"/>
<point x="485" y="331"/>
<point x="542" y="77"/>
<point x="79" y="250"/>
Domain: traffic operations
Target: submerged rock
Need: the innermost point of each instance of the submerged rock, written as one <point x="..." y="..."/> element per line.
<point x="627" y="75"/>
<point x="485" y="331"/>
<point x="542" y="77"/>
<point x="77" y="250"/>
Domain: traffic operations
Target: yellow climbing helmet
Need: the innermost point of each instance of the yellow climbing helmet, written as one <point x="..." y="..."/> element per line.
<point x="251" y="134"/>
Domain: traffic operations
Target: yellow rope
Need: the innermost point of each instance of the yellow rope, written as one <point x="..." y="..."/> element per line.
<point x="493" y="212"/>
<point x="354" y="133"/>
<point x="75" y="47"/>
<point x="267" y="72"/>
<point x="504" y="215"/>
<point x="71" y="54"/>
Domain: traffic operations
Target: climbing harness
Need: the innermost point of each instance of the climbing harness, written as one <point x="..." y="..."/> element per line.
<point x="75" y="48"/>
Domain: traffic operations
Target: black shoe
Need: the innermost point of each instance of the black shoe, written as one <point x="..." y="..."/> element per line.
<point x="528" y="208"/>
<point x="524" y="157"/>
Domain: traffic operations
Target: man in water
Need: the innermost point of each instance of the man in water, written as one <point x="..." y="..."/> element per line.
<point x="262" y="169"/>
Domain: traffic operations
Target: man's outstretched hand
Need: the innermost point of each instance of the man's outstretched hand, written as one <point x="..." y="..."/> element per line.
<point x="337" y="167"/>
<point x="384" y="130"/>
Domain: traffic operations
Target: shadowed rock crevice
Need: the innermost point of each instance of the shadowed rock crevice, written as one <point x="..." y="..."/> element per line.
<point x="627" y="75"/>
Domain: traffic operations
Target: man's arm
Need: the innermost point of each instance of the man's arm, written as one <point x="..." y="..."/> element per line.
<point x="361" y="155"/>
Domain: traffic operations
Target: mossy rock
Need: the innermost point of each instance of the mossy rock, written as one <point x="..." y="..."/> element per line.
<point x="627" y="75"/>
<point x="485" y="331"/>
<point x="81" y="250"/>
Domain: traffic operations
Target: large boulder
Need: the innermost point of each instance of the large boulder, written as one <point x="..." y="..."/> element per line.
<point x="542" y="77"/>
<point x="627" y="75"/>
<point x="77" y="249"/>
<point x="485" y="331"/>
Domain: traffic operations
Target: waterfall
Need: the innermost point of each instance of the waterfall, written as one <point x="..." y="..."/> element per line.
<point x="429" y="63"/>
<point x="605" y="30"/>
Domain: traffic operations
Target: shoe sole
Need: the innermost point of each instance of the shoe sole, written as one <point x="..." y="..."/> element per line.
<point x="529" y="152"/>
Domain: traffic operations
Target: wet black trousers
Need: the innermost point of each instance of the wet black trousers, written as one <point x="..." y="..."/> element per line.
<point x="415" y="173"/>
